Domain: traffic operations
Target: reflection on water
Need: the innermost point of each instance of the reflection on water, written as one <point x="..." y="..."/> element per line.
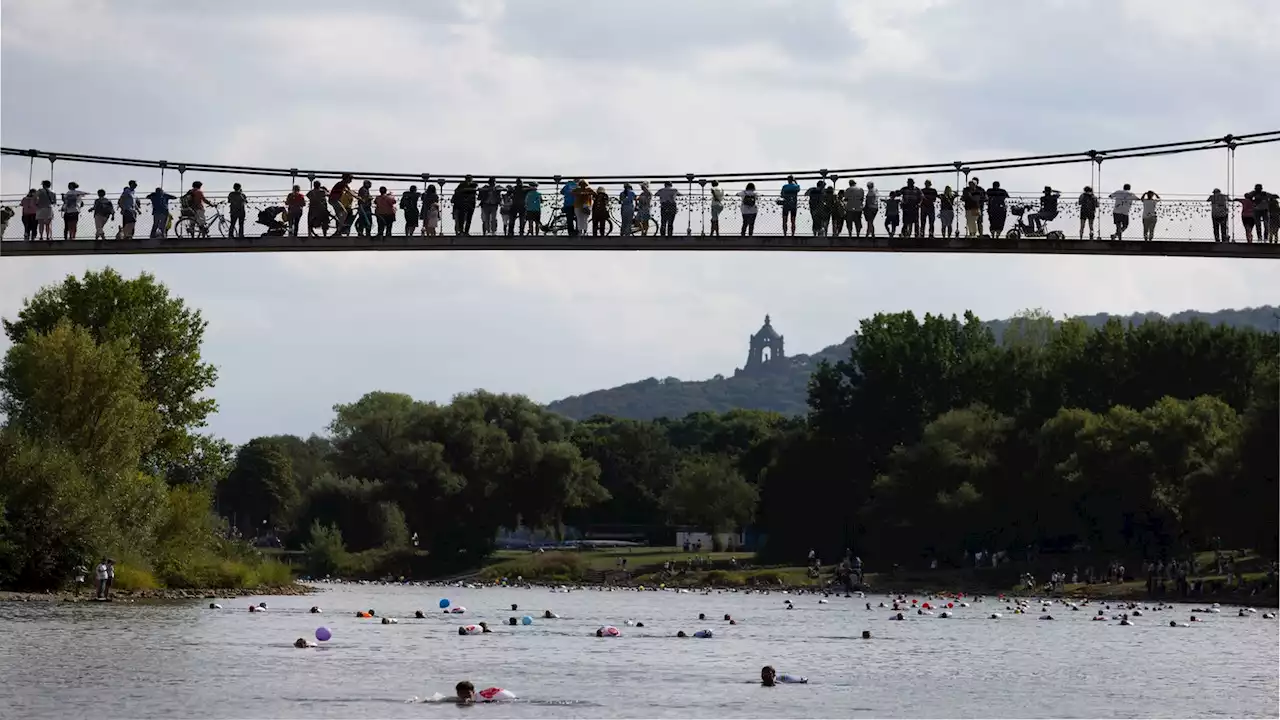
<point x="185" y="660"/>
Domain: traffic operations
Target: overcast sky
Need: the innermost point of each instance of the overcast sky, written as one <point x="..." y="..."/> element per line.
<point x="541" y="87"/>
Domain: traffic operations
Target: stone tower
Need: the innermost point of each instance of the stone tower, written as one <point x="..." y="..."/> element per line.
<point x="768" y="338"/>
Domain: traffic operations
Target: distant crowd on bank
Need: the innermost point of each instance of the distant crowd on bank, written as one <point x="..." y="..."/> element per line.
<point x="578" y="209"/>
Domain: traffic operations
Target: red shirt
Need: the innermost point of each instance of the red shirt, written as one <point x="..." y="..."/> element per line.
<point x="197" y="197"/>
<point x="296" y="200"/>
<point x="385" y="204"/>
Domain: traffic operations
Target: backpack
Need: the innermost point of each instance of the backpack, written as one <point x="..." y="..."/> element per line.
<point x="102" y="206"/>
<point x="185" y="200"/>
<point x="748" y="200"/>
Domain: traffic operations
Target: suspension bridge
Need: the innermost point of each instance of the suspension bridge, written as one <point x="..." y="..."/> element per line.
<point x="1183" y="226"/>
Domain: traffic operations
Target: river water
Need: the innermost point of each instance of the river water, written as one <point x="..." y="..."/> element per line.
<point x="119" y="660"/>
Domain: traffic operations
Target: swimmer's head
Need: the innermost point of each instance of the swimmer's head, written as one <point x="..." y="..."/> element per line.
<point x="514" y="607"/>
<point x="484" y="627"/>
<point x="466" y="691"/>
<point x="702" y="616"/>
<point x="462" y="631"/>
<point x="511" y="621"/>
<point x="548" y="614"/>
<point x="300" y="643"/>
<point x="418" y="614"/>
<point x="767" y="675"/>
<point x="600" y="632"/>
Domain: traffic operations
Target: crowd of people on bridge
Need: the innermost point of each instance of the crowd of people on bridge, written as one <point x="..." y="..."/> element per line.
<point x="578" y="208"/>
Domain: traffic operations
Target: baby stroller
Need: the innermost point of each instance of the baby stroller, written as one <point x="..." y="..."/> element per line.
<point x="271" y="219"/>
<point x="1034" y="230"/>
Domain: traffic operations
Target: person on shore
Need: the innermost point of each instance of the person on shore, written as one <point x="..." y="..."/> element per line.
<point x="100" y="574"/>
<point x="103" y="211"/>
<point x="129" y="205"/>
<point x="1088" y="210"/>
<point x="790" y="201"/>
<point x="532" y="210"/>
<point x="81" y="571"/>
<point x="854" y="200"/>
<point x="1123" y="203"/>
<point x="160" y="212"/>
<point x="72" y="200"/>
<point x="237" y="201"/>
<point x="111" y="576"/>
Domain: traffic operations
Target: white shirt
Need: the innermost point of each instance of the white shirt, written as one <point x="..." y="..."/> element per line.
<point x="102" y="571"/>
<point x="71" y="202"/>
<point x="111" y="572"/>
<point x="1124" y="201"/>
<point x="748" y="209"/>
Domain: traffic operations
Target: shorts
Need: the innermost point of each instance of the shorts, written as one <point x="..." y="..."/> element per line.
<point x="1248" y="221"/>
<point x="533" y="216"/>
<point x="128" y="217"/>
<point x="44" y="214"/>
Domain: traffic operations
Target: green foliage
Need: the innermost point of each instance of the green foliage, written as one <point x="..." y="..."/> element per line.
<point x="541" y="567"/>
<point x="709" y="493"/>
<point x="165" y="338"/>
<point x="325" y="552"/>
<point x="260" y="492"/>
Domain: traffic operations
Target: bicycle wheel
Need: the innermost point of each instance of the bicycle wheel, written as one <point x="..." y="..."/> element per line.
<point x="220" y="226"/>
<point x="185" y="228"/>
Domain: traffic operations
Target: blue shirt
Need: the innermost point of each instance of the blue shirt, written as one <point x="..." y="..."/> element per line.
<point x="567" y="192"/>
<point x="533" y="201"/>
<point x="790" y="194"/>
<point x="628" y="199"/>
<point x="160" y="203"/>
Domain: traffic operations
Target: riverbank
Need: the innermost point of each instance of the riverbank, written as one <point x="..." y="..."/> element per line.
<point x="162" y="594"/>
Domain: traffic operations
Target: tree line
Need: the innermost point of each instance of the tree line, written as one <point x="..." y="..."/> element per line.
<point x="932" y="439"/>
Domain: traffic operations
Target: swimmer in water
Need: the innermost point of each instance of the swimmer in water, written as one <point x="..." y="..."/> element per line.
<point x="302" y="643"/>
<point x="681" y="634"/>
<point x="466" y="693"/>
<point x="768" y="676"/>
<point x="549" y="615"/>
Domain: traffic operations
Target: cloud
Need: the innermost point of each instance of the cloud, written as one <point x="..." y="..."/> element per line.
<point x="571" y="87"/>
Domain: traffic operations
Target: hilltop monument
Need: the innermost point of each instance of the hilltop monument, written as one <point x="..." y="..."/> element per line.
<point x="765" y="349"/>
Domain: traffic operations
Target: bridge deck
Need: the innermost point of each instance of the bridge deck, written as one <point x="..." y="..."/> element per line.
<point x="682" y="243"/>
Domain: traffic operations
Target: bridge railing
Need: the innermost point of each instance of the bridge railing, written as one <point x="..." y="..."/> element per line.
<point x="1179" y="218"/>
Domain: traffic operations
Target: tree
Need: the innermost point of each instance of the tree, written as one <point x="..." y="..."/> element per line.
<point x="710" y="494"/>
<point x="325" y="552"/>
<point x="259" y="493"/>
<point x="165" y="336"/>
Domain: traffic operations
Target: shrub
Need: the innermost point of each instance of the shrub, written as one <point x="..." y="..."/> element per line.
<point x="542" y="567"/>
<point x="129" y="577"/>
<point x="325" y="553"/>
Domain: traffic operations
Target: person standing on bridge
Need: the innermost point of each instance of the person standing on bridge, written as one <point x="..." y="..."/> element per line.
<point x="71" y="203"/>
<point x="817" y="206"/>
<point x="582" y="196"/>
<point x="566" y="205"/>
<point x="197" y="202"/>
<point x="627" y="209"/>
<point x="340" y="213"/>
<point x="1088" y="210"/>
<point x="644" y="208"/>
<point x="789" y="201"/>
<point x="364" y="209"/>
<point x="317" y="213"/>
<point x="1123" y="203"/>
<point x="517" y="203"/>
<point x="855" y="199"/>
<point x="430" y="211"/>
<point x="295" y="203"/>
<point x="237" y="201"/>
<point x="1219" y="212"/>
<point x="160" y="212"/>
<point x="385" y="207"/>
<point x="947" y="212"/>
<point x="490" y="198"/>
<point x="464" y="205"/>
<point x="928" y="199"/>
<point x="409" y="204"/>
<point x="911" y="198"/>
<point x="45" y="202"/>
<point x="1149" y="201"/>
<point x="870" y="209"/>
<point x="1261" y="200"/>
<point x="28" y="205"/>
<point x="102" y="212"/>
<point x="892" y="215"/>
<point x="128" y="203"/>
<point x="600" y="213"/>
<point x="532" y="209"/>
<point x="717" y="207"/>
<point x="971" y="197"/>
<point x="748" y="199"/>
<point x="667" y="206"/>
<point x="997" y="208"/>
<point x="508" y="211"/>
